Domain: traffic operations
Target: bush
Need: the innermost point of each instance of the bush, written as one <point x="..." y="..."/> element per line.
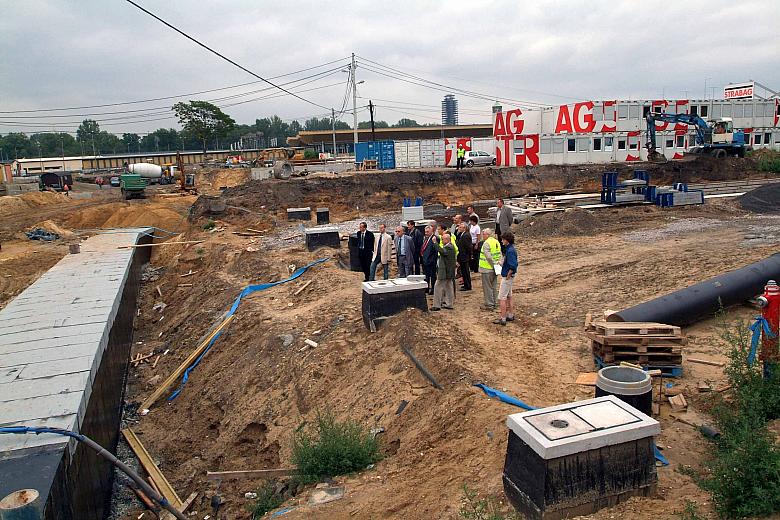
<point x="267" y="500"/>
<point x="488" y="508"/>
<point x="768" y="160"/>
<point x="311" y="154"/>
<point x="690" y="512"/>
<point x="744" y="472"/>
<point x="209" y="225"/>
<point x="337" y="448"/>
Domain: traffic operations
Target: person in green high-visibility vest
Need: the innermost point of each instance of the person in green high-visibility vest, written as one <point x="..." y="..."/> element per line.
<point x="461" y="156"/>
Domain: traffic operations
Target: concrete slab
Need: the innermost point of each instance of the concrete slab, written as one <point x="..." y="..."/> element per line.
<point x="576" y="427"/>
<point x="53" y="336"/>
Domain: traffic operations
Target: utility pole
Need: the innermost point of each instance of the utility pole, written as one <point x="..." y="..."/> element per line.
<point x="354" y="101"/>
<point x="62" y="151"/>
<point x="371" y="109"/>
<point x="333" y="128"/>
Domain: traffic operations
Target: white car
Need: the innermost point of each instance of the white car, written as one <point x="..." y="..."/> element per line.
<point x="476" y="158"/>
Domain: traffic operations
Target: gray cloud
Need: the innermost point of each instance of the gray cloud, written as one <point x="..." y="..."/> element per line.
<point x="85" y="52"/>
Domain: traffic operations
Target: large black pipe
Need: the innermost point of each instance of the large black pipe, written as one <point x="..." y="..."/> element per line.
<point x="705" y="299"/>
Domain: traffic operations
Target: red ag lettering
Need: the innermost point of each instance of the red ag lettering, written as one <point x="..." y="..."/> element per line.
<point x="515" y="125"/>
<point x="587" y="117"/>
<point x="499" y="128"/>
<point x="530" y="157"/>
<point x="563" y="124"/>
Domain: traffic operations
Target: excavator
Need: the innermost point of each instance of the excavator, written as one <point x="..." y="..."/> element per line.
<point x="717" y="139"/>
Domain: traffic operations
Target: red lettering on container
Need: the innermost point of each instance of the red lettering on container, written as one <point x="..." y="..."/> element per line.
<point x="563" y="124"/>
<point x="587" y="117"/>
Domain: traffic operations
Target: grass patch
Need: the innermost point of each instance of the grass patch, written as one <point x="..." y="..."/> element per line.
<point x="267" y="500"/>
<point x="209" y="225"/>
<point x="333" y="448"/>
<point x="743" y="474"/>
<point x="690" y="512"/>
<point x="472" y="507"/>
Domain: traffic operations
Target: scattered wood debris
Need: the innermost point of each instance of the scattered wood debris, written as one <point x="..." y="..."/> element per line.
<point x="300" y="290"/>
<point x="587" y="378"/>
<point x="706" y="362"/>
<point x="250" y="473"/>
<point x="678" y="402"/>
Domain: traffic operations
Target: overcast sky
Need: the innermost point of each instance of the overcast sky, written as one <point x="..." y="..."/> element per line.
<point x="65" y="53"/>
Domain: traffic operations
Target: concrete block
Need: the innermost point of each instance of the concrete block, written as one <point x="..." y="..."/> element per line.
<point x="565" y="429"/>
<point x="394" y="285"/>
<point x="40" y="407"/>
<point x="322" y="237"/>
<point x="412" y="213"/>
<point x="28" y="388"/>
<point x="43" y="355"/>
<point x="64" y="366"/>
<point x="299" y="214"/>
<point x="47" y="334"/>
<point x="51" y="343"/>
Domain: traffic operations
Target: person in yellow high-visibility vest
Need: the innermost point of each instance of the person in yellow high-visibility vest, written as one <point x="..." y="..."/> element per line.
<point x="489" y="256"/>
<point x="461" y="156"/>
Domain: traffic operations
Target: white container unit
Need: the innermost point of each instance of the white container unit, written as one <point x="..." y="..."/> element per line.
<point x="432" y="153"/>
<point x="484" y="144"/>
<point x="401" y="154"/>
<point x="413" y="153"/>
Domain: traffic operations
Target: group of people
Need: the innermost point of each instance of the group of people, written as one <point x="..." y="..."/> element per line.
<point x="444" y="255"/>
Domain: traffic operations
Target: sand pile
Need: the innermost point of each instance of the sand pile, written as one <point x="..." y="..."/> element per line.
<point x="574" y="222"/>
<point x="14" y="204"/>
<point x="53" y="227"/>
<point x="121" y="214"/>
<point x="765" y="199"/>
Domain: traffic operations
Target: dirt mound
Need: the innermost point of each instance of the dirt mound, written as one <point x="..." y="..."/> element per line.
<point x="123" y="214"/>
<point x="574" y="222"/>
<point x="53" y="227"/>
<point x="765" y="199"/>
<point x="15" y="204"/>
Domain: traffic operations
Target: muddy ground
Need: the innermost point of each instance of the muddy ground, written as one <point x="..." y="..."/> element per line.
<point x="255" y="388"/>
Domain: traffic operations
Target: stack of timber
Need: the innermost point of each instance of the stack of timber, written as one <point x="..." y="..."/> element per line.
<point x="651" y="345"/>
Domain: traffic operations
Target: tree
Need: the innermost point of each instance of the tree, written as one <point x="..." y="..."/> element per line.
<point x="203" y="120"/>
<point x="406" y="123"/>
<point x="377" y="124"/>
<point x="16" y="146"/>
<point x="131" y="142"/>
<point x="87" y="133"/>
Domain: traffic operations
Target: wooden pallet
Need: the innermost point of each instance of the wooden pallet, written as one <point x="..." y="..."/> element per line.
<point x="666" y="370"/>
<point x="606" y="328"/>
<point x="638" y="349"/>
<point x="637" y="339"/>
<point x="642" y="359"/>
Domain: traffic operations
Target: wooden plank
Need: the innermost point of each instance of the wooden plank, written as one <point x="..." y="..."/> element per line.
<point x="637" y="339"/>
<point x="250" y="473"/>
<point x="167" y="515"/>
<point x="133" y="246"/>
<point x="706" y="362"/>
<point x="151" y="468"/>
<point x="587" y="378"/>
<point x="643" y="329"/>
<point x="255" y="230"/>
<point x="185" y="275"/>
<point x="678" y="403"/>
<point x="304" y="286"/>
<point x="174" y="377"/>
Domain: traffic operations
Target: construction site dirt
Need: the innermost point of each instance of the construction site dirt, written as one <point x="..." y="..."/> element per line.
<point x="261" y="382"/>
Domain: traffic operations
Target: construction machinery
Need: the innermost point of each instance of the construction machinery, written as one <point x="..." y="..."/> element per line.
<point x="132" y="185"/>
<point x="717" y="138"/>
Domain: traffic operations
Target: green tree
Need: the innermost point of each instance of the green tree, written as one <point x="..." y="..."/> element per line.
<point x="131" y="142"/>
<point x="16" y="145"/>
<point x="406" y="123"/>
<point x="203" y="120"/>
<point x="88" y="133"/>
<point x="377" y="124"/>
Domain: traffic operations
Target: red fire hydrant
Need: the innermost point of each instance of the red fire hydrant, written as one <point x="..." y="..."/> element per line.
<point x="770" y="310"/>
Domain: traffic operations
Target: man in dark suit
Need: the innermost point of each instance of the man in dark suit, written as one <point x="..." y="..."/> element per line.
<point x="365" y="249"/>
<point x="464" y="255"/>
<point x="417" y="240"/>
<point x="428" y="256"/>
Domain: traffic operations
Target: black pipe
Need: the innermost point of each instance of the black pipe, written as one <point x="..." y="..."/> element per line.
<point x="705" y="299"/>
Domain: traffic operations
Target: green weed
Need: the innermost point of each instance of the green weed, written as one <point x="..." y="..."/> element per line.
<point x="472" y="507"/>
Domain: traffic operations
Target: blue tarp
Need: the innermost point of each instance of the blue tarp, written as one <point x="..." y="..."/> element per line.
<point x="245" y="292"/>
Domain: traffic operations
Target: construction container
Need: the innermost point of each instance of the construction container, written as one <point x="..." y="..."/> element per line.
<point x="484" y="144"/>
<point x="401" y="154"/>
<point x="576" y="458"/>
<point x="413" y="154"/>
<point x="383" y="152"/>
<point x="432" y="153"/>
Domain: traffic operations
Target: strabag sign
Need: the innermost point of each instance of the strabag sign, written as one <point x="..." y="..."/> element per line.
<point x="738" y="91"/>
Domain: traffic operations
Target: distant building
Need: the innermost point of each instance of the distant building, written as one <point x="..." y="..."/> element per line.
<point x="449" y="110"/>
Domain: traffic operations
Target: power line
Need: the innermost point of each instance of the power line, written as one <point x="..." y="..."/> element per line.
<point x="170" y="97"/>
<point x="222" y="55"/>
<point x="128" y="119"/>
<point x="404" y="76"/>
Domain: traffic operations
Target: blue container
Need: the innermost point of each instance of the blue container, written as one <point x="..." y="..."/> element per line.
<point x="383" y="152"/>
